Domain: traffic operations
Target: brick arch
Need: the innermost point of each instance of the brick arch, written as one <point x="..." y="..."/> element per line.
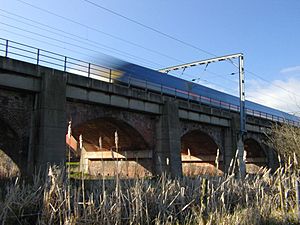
<point x="136" y="133"/>
<point x="256" y="155"/>
<point x="199" y="143"/>
<point x="214" y="133"/>
<point x="9" y="145"/>
<point x="198" y="153"/>
<point x="254" y="148"/>
<point x="143" y="124"/>
<point x="129" y="139"/>
<point x="259" y="140"/>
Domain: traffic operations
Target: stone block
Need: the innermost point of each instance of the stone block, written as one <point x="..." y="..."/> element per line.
<point x="136" y="104"/>
<point x="119" y="101"/>
<point x="99" y="97"/>
<point x="152" y="107"/>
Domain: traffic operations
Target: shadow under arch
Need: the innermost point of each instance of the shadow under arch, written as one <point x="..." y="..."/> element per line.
<point x="133" y="154"/>
<point x="255" y="155"/>
<point x="10" y="163"/>
<point x="198" y="154"/>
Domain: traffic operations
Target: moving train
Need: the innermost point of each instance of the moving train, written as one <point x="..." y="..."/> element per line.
<point x="153" y="80"/>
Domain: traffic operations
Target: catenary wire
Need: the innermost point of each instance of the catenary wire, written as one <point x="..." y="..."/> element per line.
<point x="150" y="28"/>
<point x="51" y="38"/>
<point x="209" y="82"/>
<point x="45" y="42"/>
<point x="222" y="87"/>
<point x="224" y="78"/>
<point x="132" y="43"/>
<point x="173" y="38"/>
<point x="98" y="30"/>
<point x="260" y="77"/>
<point x="226" y="88"/>
<point x="73" y="35"/>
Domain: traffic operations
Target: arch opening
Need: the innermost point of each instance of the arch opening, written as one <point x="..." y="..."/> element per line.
<point x="9" y="152"/>
<point x="198" y="154"/>
<point x="105" y="154"/>
<point x="255" y="156"/>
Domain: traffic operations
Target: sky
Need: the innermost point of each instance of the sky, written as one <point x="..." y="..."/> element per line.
<point x="162" y="33"/>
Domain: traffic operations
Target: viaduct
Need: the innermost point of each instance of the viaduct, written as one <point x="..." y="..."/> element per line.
<point x="157" y="132"/>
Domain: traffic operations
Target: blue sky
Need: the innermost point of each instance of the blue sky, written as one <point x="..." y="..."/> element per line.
<point x="267" y="32"/>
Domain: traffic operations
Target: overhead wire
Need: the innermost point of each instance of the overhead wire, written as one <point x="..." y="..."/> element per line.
<point x="260" y="77"/>
<point x="48" y="43"/>
<point x="231" y="90"/>
<point x="258" y="91"/>
<point x="45" y="42"/>
<point x="71" y="50"/>
<point x="98" y="30"/>
<point x="222" y="76"/>
<point x="51" y="38"/>
<point x="173" y="38"/>
<point x="96" y="44"/>
<point x="149" y="28"/>
<point x="275" y="85"/>
<point x="204" y="70"/>
<point x="227" y="79"/>
<point x="83" y="47"/>
<point x="137" y="45"/>
<point x="47" y="37"/>
<point x="223" y="88"/>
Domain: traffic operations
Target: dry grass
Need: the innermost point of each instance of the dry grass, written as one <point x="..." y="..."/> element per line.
<point x="7" y="167"/>
<point x="286" y="139"/>
<point x="261" y="199"/>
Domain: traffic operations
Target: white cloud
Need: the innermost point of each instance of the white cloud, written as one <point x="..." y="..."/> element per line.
<point x="294" y="69"/>
<point x="279" y="94"/>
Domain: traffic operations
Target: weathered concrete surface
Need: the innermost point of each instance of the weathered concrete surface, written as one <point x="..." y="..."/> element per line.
<point x="48" y="128"/>
<point x="167" y="155"/>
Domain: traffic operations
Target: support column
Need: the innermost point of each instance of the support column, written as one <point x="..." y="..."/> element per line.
<point x="229" y="146"/>
<point x="230" y="142"/>
<point x="167" y="155"/>
<point x="48" y="127"/>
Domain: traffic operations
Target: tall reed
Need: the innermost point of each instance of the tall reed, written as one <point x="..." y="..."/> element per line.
<point x="267" y="198"/>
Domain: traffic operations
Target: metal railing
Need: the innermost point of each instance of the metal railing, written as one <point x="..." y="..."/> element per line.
<point x="23" y="52"/>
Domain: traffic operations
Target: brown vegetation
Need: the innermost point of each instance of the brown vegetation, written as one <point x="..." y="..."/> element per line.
<point x="263" y="198"/>
<point x="285" y="139"/>
<point x="7" y="167"/>
<point x="260" y="199"/>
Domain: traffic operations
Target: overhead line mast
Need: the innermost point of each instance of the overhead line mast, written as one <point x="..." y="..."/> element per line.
<point x="240" y="143"/>
<point x="201" y="62"/>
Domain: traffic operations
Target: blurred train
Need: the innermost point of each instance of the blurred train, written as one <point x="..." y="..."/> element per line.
<point x="149" y="79"/>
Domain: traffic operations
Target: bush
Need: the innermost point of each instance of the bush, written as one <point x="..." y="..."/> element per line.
<point x="285" y="139"/>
